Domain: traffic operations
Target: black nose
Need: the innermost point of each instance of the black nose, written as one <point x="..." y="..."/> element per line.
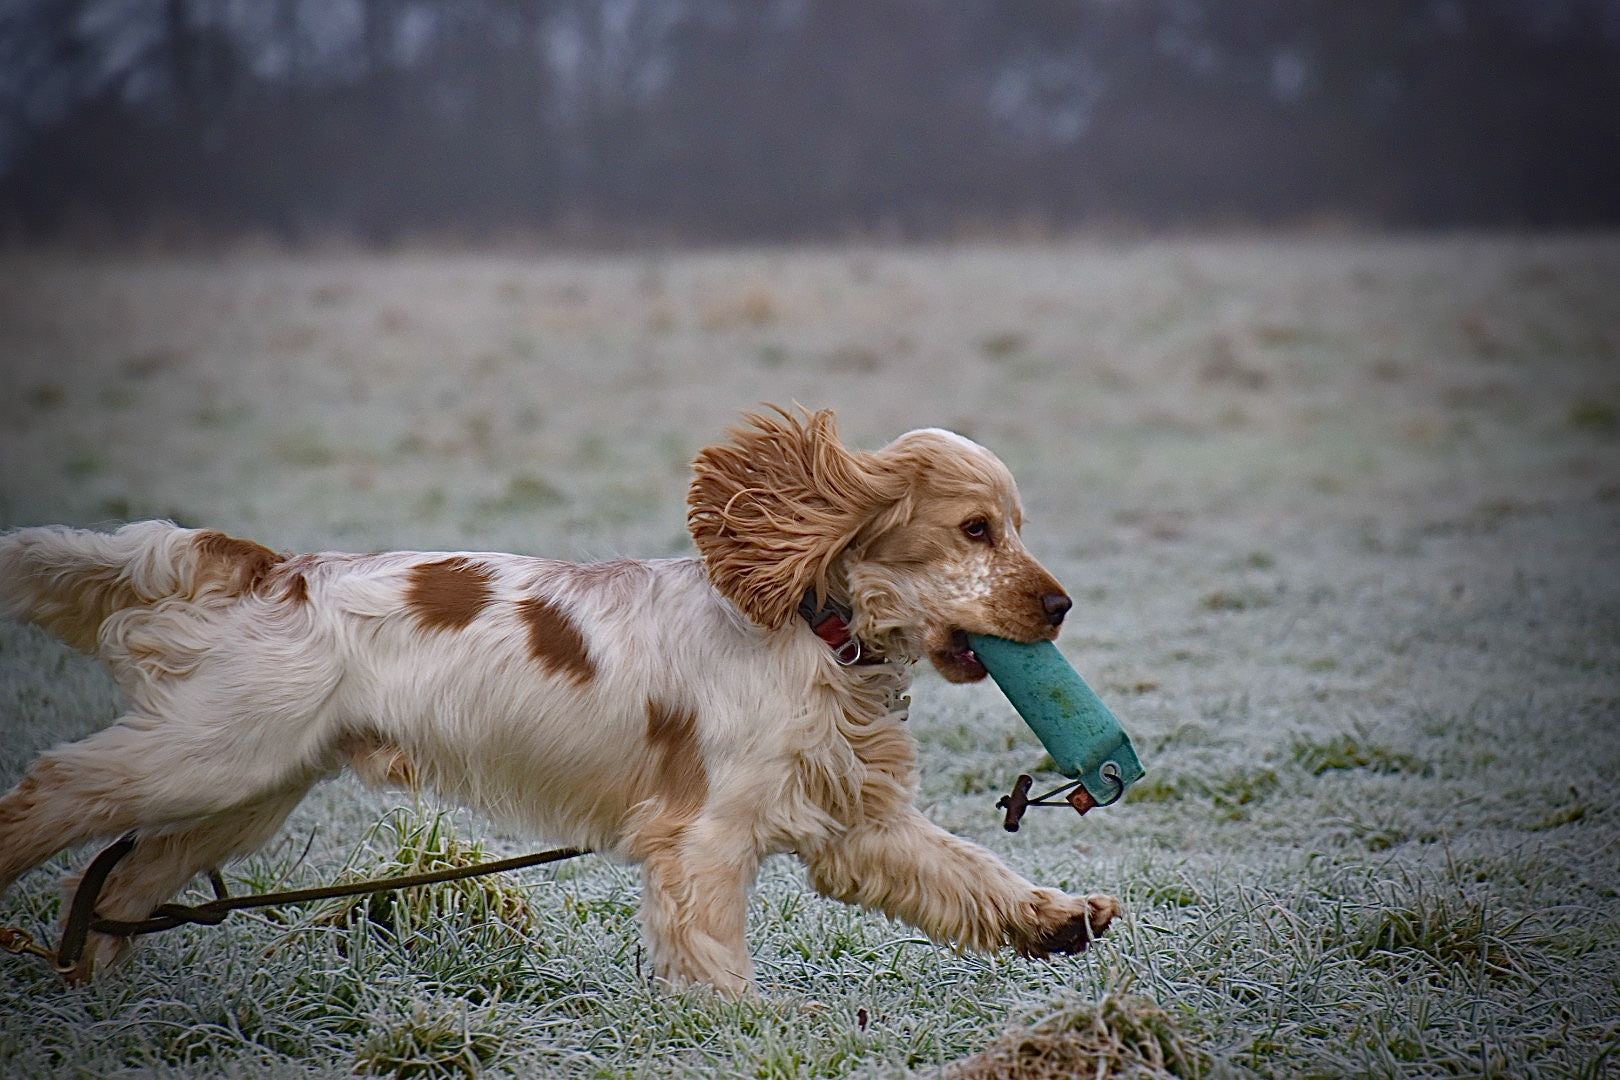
<point x="1056" y="605"/>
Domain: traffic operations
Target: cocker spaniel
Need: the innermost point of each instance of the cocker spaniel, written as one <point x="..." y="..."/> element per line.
<point x="692" y="715"/>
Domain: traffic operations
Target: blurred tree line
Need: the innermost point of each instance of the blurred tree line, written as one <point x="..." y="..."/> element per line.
<point x="785" y="119"/>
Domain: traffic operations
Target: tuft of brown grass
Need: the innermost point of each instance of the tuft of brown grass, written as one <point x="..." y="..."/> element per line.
<point x="1447" y="930"/>
<point x="415" y="845"/>
<point x="1121" y="1036"/>
<point x="428" y="1043"/>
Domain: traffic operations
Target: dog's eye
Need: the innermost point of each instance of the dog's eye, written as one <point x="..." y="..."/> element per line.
<point x="976" y="529"/>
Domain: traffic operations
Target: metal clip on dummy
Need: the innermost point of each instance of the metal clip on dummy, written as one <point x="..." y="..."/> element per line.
<point x="1084" y="738"/>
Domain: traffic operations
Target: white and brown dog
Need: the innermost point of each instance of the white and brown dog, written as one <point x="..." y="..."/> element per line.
<point x="683" y="714"/>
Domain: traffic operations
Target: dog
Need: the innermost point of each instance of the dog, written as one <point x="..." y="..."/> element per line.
<point x="690" y="715"/>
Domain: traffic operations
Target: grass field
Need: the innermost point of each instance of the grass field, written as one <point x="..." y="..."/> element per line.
<point x="1342" y="519"/>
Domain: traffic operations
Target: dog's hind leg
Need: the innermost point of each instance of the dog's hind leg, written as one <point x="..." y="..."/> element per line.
<point x="142" y="773"/>
<point x="160" y="864"/>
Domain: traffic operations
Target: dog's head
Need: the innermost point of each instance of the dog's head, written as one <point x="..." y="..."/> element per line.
<point x="919" y="538"/>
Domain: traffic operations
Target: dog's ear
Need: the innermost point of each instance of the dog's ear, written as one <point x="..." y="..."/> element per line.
<point x="771" y="509"/>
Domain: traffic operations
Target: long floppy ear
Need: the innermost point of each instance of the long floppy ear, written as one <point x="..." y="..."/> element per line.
<point x="771" y="509"/>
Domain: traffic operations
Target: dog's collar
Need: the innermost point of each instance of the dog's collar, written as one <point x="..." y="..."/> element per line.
<point x="830" y="621"/>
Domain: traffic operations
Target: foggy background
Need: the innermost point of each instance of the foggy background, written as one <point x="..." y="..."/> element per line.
<point x="714" y="120"/>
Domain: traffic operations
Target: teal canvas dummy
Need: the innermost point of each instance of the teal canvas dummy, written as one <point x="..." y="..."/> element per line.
<point x="1084" y="738"/>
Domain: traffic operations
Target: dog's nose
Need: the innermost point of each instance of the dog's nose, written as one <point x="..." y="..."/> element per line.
<point x="1056" y="605"/>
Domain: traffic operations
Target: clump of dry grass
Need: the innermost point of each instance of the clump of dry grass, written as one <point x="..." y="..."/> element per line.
<point x="1445" y="929"/>
<point x="1121" y="1036"/>
<point x="413" y="844"/>
<point x="428" y="1042"/>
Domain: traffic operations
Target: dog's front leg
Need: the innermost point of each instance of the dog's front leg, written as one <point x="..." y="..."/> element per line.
<point x="953" y="890"/>
<point x="694" y="907"/>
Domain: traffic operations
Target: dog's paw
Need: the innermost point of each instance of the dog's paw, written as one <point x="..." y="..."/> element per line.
<point x="1067" y="924"/>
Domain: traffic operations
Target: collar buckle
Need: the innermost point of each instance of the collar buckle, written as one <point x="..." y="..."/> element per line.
<point x="849" y="652"/>
<point x="830" y="622"/>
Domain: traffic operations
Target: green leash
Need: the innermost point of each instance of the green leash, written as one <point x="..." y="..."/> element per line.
<point x="1083" y="736"/>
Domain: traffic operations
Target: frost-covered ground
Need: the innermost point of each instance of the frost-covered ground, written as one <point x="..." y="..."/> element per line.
<point x="1342" y="519"/>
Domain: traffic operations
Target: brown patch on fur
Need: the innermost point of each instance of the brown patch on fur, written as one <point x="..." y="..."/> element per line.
<point x="555" y="641"/>
<point x="236" y="565"/>
<point x="291" y="578"/>
<point x="679" y="779"/>
<point x="378" y="762"/>
<point x="297" y="589"/>
<point x="27" y="793"/>
<point x="448" y="594"/>
<point x="22" y="844"/>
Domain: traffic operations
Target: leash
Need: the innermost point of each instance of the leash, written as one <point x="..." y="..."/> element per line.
<point x="82" y="918"/>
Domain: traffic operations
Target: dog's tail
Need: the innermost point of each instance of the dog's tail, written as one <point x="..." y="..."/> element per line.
<point x="70" y="580"/>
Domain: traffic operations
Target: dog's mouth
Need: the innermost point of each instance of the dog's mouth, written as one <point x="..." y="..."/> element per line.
<point x="956" y="660"/>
